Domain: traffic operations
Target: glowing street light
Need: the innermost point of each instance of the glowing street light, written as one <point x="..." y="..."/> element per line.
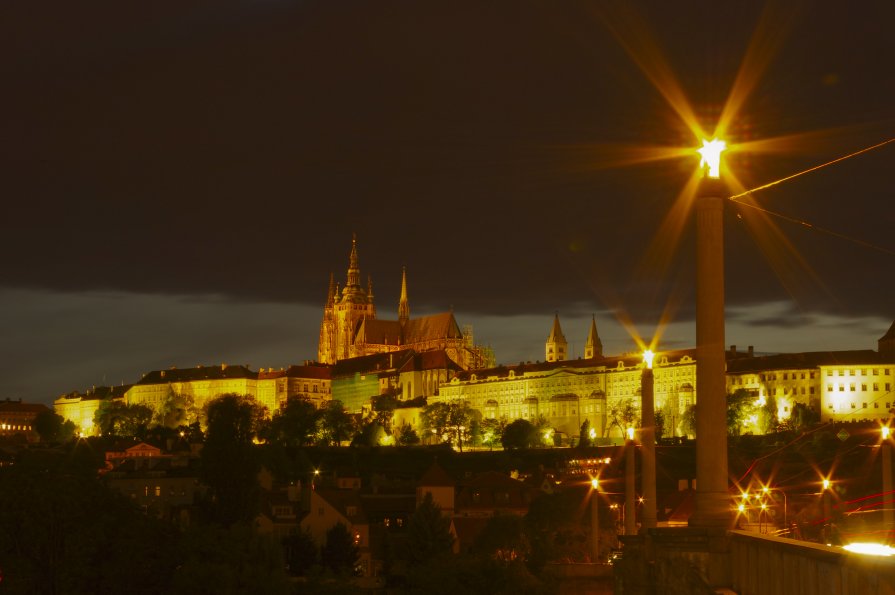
<point x="648" y="356"/>
<point x="711" y="156"/>
<point x="595" y="520"/>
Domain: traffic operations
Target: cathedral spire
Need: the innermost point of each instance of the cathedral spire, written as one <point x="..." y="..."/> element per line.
<point x="556" y="343"/>
<point x="594" y="347"/>
<point x="403" y="305"/>
<point x="370" y="288"/>
<point x="353" y="269"/>
<point x="331" y="292"/>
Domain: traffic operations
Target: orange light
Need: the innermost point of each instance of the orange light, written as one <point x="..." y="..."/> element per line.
<point x="711" y="156"/>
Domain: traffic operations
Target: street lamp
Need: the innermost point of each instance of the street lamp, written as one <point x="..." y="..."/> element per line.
<point x="767" y="491"/>
<point x="595" y="520"/>
<point x="711" y="156"/>
<point x="648" y="442"/>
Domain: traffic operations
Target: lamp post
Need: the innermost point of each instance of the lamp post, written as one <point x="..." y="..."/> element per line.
<point x="648" y="443"/>
<point x="886" y="451"/>
<point x="711" y="507"/>
<point x="630" y="509"/>
<point x="826" y="484"/>
<point x="767" y="491"/>
<point x="594" y="520"/>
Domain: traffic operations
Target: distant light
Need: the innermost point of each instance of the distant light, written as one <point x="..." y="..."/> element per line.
<point x="648" y="356"/>
<point x="826" y="484"/>
<point x="870" y="549"/>
<point x="630" y="432"/>
<point x="595" y="483"/>
<point x="741" y="507"/>
<point x="592" y="433"/>
<point x="711" y="156"/>
<point x="765" y="489"/>
<point x="886" y="431"/>
<point x="607" y="460"/>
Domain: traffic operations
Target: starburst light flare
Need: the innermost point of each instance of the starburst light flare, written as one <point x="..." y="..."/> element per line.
<point x="711" y="156"/>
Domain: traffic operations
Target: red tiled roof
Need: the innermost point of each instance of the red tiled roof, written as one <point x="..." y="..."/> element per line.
<point x="436" y="476"/>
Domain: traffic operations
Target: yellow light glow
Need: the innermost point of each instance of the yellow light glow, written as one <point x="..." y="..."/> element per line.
<point x="607" y="460"/>
<point x="869" y="549"/>
<point x="826" y="484"/>
<point x="592" y="433"/>
<point x="886" y="431"/>
<point x="765" y="489"/>
<point x="595" y="483"/>
<point x="741" y="507"/>
<point x="630" y="432"/>
<point x="764" y="506"/>
<point x="648" y="356"/>
<point x="711" y="156"/>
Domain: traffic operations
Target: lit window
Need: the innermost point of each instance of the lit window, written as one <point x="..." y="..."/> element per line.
<point x="851" y="372"/>
<point x="875" y="386"/>
<point x="829" y="388"/>
<point x="863" y="387"/>
<point x="851" y="387"/>
<point x="158" y="491"/>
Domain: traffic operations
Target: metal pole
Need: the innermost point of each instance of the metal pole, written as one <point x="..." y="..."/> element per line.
<point x="887" y="487"/>
<point x="648" y="441"/>
<point x="594" y="526"/>
<point x="630" y="508"/>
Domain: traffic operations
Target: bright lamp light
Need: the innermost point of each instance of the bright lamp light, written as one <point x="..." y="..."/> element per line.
<point x="711" y="156"/>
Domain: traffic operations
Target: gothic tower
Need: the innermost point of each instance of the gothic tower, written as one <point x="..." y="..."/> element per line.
<point x="594" y="347"/>
<point x="556" y="343"/>
<point x="403" y="306"/>
<point x="343" y="312"/>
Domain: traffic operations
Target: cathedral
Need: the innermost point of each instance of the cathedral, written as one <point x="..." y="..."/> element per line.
<point x="350" y="327"/>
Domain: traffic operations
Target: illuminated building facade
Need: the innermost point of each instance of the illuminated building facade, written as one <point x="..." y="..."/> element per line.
<point x="17" y="418"/>
<point x="350" y="328"/>
<point x="568" y="392"/>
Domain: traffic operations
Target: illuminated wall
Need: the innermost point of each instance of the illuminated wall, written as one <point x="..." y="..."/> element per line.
<point x="857" y="391"/>
<point x="79" y="410"/>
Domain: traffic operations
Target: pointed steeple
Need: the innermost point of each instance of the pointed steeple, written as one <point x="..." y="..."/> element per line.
<point x="886" y="343"/>
<point x="331" y="292"/>
<point x="369" y="288"/>
<point x="594" y="347"/>
<point x="403" y="305"/>
<point x="556" y="343"/>
<point x="353" y="269"/>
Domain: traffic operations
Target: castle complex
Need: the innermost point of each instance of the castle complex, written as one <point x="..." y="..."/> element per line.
<point x="429" y="357"/>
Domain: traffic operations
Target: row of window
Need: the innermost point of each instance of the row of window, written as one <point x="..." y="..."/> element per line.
<point x="863" y="405"/>
<point x="886" y="372"/>
<point x="851" y="387"/>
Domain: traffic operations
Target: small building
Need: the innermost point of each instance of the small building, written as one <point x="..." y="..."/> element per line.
<point x="17" y="418"/>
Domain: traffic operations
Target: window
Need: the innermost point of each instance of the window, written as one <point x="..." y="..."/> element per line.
<point x="158" y="491"/>
<point x="863" y="387"/>
<point x="864" y="405"/>
<point x="888" y="387"/>
<point x="811" y="375"/>
<point x="829" y="388"/>
<point x="875" y="386"/>
<point x="785" y="376"/>
<point x="876" y="372"/>
<point x="852" y="405"/>
<point x="851" y="372"/>
<point x="811" y="390"/>
<point x="842" y="388"/>
<point x="876" y="405"/>
<point x="829" y="372"/>
<point x="863" y="372"/>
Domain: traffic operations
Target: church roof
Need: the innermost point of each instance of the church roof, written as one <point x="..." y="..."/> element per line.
<point x="437" y="359"/>
<point x="436" y="326"/>
<point x="319" y="372"/>
<point x="374" y="331"/>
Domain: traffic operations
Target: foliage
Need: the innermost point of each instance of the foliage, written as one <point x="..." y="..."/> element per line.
<point x="492" y="430"/>
<point x="623" y="415"/>
<point x="520" y="434"/>
<point x="450" y="575"/>
<point x="740" y="405"/>
<point x="660" y="424"/>
<point x="53" y="428"/>
<point x="300" y="553"/>
<point x="115" y="418"/>
<point x="215" y="560"/>
<point x="63" y="531"/>
<point x="803" y="417"/>
<point x="407" y="436"/>
<point x="229" y="463"/>
<point x="370" y="434"/>
<point x="553" y="528"/>
<point x="295" y="424"/>
<point x="336" y="424"/>
<point x="504" y="538"/>
<point x="428" y="532"/>
<point x="177" y="410"/>
<point x="450" y="421"/>
<point x="584" y="438"/>
<point x="767" y="416"/>
<point x="339" y="554"/>
<point x="688" y="421"/>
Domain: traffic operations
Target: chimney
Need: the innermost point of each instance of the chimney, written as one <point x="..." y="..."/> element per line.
<point x="223" y="367"/>
<point x="733" y="350"/>
<point x="750" y="351"/>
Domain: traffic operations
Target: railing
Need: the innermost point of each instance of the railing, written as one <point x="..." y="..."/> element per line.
<point x="766" y="565"/>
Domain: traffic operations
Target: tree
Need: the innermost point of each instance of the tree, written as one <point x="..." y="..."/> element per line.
<point x="660" y="424"/>
<point x="370" y="434"/>
<point x="53" y="428"/>
<point x="622" y="414"/>
<point x="296" y="424"/>
<point x="520" y="434"/>
<point x="435" y="418"/>
<point x="767" y="415"/>
<point x="407" y="436"/>
<point x="688" y="421"/>
<point x="450" y="421"/>
<point x="740" y="405"/>
<point x="115" y="418"/>
<point x="300" y="552"/>
<point x="504" y="538"/>
<point x="229" y="462"/>
<point x="803" y="417"/>
<point x="428" y="532"/>
<point x="176" y="410"/>
<point x="337" y="425"/>
<point x="492" y="430"/>
<point x="339" y="553"/>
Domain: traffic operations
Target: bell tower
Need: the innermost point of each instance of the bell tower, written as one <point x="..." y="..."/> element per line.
<point x="557" y="346"/>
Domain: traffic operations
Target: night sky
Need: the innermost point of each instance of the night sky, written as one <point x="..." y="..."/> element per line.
<point x="179" y="179"/>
